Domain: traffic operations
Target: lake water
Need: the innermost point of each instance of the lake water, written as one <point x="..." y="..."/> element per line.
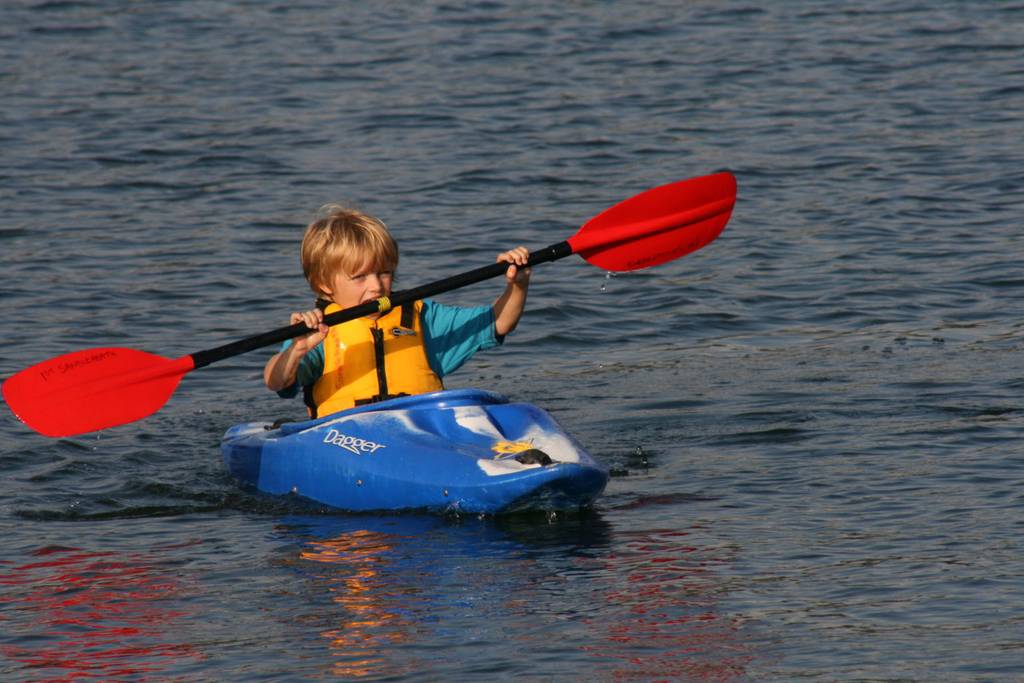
<point x="814" y="423"/>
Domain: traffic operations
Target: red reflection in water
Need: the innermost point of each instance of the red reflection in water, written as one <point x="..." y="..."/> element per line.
<point x="75" y="615"/>
<point x="660" y="621"/>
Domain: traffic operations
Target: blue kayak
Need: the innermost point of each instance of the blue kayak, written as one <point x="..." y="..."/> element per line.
<point x="461" y="451"/>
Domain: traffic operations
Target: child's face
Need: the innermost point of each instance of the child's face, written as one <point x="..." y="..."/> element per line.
<point x="366" y="284"/>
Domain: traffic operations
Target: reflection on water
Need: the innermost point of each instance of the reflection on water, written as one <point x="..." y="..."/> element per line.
<point x="395" y="596"/>
<point x="73" y="614"/>
<point x="354" y="575"/>
<point x="362" y="582"/>
<point x="661" y="619"/>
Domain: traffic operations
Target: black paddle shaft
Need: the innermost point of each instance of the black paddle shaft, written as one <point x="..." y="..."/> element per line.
<point x="202" y="358"/>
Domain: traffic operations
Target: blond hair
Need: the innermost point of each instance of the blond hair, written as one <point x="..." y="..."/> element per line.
<point x="346" y="240"/>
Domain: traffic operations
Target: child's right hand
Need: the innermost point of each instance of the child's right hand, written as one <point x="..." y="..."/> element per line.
<point x="314" y="320"/>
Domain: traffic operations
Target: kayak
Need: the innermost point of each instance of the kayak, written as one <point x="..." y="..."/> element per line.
<point x="463" y="450"/>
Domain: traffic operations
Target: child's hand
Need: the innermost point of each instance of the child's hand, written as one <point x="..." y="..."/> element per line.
<point x="516" y="275"/>
<point x="314" y="320"/>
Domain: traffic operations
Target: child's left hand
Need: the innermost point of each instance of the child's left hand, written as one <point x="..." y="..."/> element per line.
<point x="516" y="274"/>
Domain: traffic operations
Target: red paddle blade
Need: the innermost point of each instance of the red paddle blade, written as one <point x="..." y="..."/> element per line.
<point x="89" y="390"/>
<point x="658" y="225"/>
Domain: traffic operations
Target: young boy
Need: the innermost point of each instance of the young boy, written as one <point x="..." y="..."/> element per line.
<point x="350" y="258"/>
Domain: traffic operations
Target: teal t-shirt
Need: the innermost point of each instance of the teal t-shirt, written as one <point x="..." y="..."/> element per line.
<point x="451" y="335"/>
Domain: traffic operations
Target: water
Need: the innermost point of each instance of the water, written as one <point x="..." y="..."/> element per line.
<point x="814" y="423"/>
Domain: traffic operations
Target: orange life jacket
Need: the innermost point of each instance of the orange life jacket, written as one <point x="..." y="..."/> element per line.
<point x="369" y="360"/>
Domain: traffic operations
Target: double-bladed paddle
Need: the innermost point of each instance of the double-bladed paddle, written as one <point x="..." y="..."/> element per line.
<point x="89" y="390"/>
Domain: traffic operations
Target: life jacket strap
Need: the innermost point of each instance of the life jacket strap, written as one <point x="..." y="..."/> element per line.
<point x="307" y="398"/>
<point x="408" y="311"/>
<point x="378" y="398"/>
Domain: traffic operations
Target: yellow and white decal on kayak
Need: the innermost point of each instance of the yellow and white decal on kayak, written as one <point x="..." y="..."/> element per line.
<point x="507" y="448"/>
<point x="556" y="445"/>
